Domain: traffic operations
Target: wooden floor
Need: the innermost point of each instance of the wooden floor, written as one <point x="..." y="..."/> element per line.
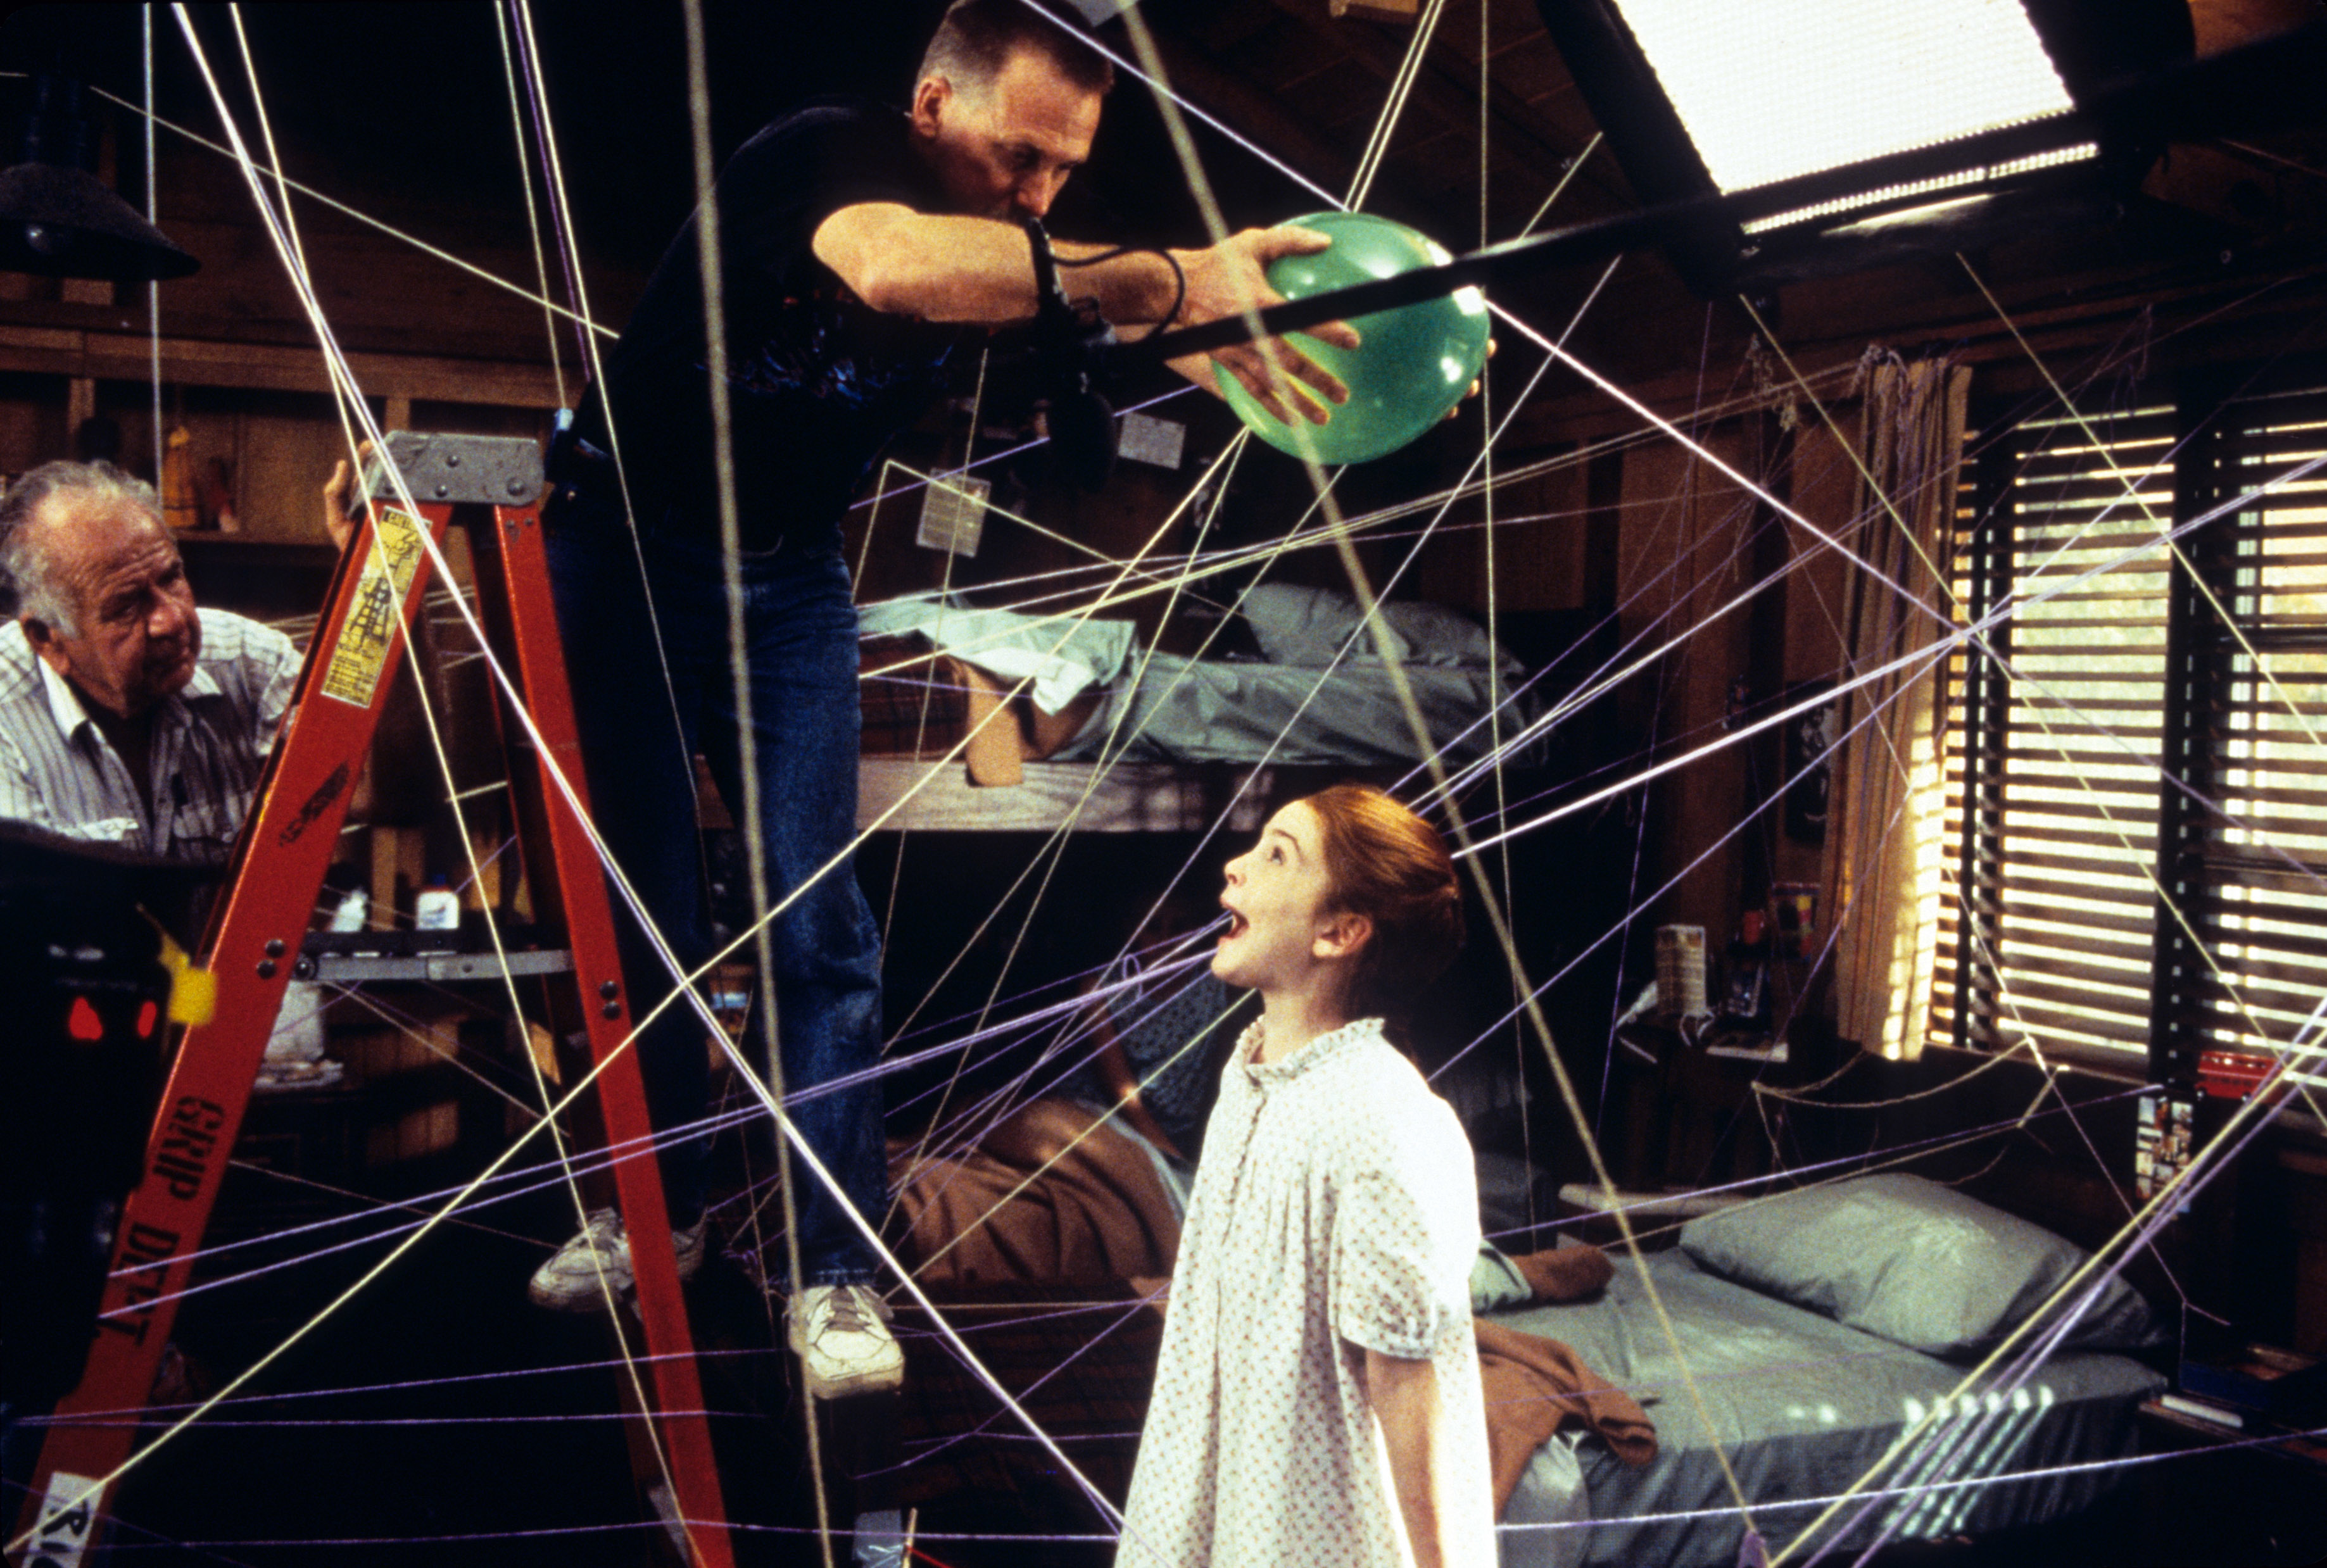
<point x="441" y="1419"/>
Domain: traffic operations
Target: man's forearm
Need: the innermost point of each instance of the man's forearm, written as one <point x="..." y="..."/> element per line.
<point x="980" y="271"/>
<point x="945" y="268"/>
<point x="1404" y="1394"/>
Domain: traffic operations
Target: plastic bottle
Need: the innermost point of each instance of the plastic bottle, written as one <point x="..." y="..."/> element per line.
<point x="438" y="906"/>
<point x="353" y="905"/>
<point x="1746" y="1002"/>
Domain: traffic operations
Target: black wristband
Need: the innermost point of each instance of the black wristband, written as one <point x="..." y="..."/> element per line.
<point x="1179" y="274"/>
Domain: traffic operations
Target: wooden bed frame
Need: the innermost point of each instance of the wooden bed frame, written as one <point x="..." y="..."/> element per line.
<point x="1131" y="798"/>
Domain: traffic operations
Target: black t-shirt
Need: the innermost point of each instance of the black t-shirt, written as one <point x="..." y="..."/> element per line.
<point x="820" y="381"/>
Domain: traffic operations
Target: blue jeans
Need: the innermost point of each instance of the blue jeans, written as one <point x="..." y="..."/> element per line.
<point x="800" y="635"/>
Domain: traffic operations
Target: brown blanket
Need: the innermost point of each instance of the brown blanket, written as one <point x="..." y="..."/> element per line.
<point x="1534" y="1386"/>
<point x="1565" y="1274"/>
<point x="1099" y="1213"/>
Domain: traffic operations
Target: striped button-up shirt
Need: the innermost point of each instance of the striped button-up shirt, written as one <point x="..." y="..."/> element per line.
<point x="210" y="743"/>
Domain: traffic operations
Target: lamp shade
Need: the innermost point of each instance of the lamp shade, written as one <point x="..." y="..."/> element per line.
<point x="64" y="222"/>
<point x="57" y="218"/>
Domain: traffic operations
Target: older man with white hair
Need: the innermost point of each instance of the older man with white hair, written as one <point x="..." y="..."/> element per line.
<point x="128" y="715"/>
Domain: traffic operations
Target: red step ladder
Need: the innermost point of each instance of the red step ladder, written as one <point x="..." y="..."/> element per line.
<point x="254" y="938"/>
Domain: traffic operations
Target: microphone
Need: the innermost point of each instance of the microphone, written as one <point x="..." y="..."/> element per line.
<point x="1071" y="348"/>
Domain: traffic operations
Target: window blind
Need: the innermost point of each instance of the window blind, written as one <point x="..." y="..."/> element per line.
<point x="2136" y="760"/>
<point x="2055" y="732"/>
<point x="2245" y="812"/>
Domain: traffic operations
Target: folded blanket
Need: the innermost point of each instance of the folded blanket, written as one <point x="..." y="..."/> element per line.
<point x="1534" y="1386"/>
<point x="1565" y="1274"/>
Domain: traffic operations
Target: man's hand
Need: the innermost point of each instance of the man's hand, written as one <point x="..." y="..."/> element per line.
<point x="1229" y="279"/>
<point x="1474" y="389"/>
<point x="336" y="521"/>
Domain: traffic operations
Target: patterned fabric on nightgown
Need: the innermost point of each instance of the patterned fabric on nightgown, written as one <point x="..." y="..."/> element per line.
<point x="1335" y="1210"/>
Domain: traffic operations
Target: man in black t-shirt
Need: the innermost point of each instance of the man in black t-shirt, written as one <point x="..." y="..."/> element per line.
<point x="859" y="248"/>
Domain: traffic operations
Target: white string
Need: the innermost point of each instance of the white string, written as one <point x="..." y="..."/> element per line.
<point x="709" y="257"/>
<point x="152" y="216"/>
<point x="1197" y="110"/>
<point x="532" y="216"/>
<point x="440" y="254"/>
<point x="149" y="134"/>
<point x="569" y="240"/>
<point x="342" y="390"/>
<point x="1401" y="89"/>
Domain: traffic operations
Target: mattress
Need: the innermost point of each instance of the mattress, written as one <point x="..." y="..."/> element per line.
<point x="1185" y="710"/>
<point x="1164" y="708"/>
<point x="1802" y="1406"/>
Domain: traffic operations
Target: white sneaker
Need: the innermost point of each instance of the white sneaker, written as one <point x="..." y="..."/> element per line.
<point x="841" y="1335"/>
<point x="569" y="1281"/>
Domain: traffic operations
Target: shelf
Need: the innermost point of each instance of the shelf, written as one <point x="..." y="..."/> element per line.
<point x="359" y="969"/>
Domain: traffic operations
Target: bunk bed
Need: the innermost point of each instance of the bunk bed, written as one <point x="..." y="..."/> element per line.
<point x="1070" y="721"/>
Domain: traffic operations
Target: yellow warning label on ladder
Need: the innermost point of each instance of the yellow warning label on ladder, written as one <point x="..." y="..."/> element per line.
<point x="377" y="613"/>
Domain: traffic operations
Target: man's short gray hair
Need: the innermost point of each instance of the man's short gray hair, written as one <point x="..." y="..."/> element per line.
<point x="977" y="37"/>
<point x="27" y="584"/>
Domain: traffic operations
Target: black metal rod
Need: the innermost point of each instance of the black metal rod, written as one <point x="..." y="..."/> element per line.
<point x="2272" y="82"/>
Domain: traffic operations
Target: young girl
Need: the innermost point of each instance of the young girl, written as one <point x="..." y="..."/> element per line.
<point x="1317" y="1398"/>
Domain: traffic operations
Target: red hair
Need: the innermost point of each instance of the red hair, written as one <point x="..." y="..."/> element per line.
<point x="1388" y="865"/>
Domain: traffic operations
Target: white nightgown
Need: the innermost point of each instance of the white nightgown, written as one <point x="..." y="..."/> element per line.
<point x="1335" y="1210"/>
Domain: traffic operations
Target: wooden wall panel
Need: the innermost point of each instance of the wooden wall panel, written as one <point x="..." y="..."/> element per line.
<point x="1684" y="553"/>
<point x="285" y="445"/>
<point x="1539" y="534"/>
<point x="31" y="421"/>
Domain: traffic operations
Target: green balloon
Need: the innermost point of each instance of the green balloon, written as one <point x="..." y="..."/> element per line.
<point x="1412" y="364"/>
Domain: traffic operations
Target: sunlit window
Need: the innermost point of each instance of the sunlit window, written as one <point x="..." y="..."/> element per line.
<point x="1860" y="79"/>
<point x="2137" y="803"/>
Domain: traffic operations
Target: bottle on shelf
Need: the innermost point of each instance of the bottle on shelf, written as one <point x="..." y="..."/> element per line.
<point x="438" y="906"/>
<point x="1745" y="995"/>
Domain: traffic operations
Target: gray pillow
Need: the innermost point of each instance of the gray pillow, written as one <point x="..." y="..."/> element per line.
<point x="1445" y="638"/>
<point x="1307" y="626"/>
<point x="1913" y="1261"/>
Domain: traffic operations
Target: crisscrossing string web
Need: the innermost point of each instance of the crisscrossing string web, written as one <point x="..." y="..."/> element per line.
<point x="1701" y="536"/>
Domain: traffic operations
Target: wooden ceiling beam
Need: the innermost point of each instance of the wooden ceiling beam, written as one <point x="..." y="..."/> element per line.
<point x="1254" y="113"/>
<point x="1514" y="130"/>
